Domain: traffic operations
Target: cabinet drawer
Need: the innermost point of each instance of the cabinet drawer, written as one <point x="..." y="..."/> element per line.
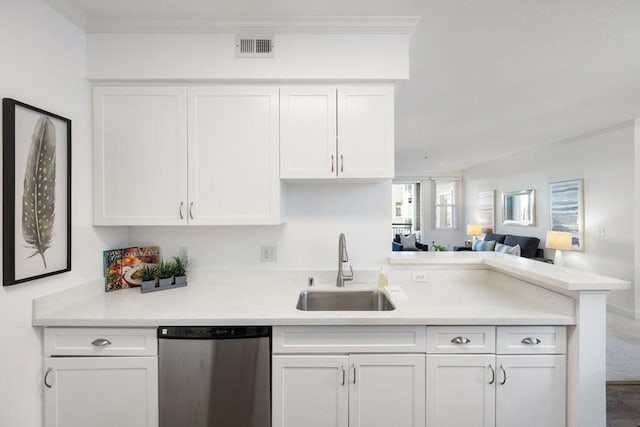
<point x="531" y="340"/>
<point x="349" y="339"/>
<point x="100" y="342"/>
<point x="461" y="339"/>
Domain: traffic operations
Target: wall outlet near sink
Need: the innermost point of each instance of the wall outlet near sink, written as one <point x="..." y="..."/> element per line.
<point x="268" y="254"/>
<point x="418" y="276"/>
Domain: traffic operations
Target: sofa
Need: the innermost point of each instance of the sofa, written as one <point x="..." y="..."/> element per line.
<point x="396" y="244"/>
<point x="528" y="245"/>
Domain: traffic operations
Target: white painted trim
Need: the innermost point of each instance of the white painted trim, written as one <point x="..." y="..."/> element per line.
<point x="622" y="311"/>
<point x="257" y="25"/>
<point x="71" y="11"/>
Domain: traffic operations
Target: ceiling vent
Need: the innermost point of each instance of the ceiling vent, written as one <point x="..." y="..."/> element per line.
<point x="254" y="46"/>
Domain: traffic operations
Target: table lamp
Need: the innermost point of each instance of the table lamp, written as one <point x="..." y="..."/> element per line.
<point x="473" y="230"/>
<point x="560" y="241"/>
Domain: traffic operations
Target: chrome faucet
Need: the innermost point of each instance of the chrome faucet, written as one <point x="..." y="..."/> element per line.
<point x="343" y="257"/>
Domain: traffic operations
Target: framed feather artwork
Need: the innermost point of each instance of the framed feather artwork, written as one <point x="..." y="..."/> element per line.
<point x="36" y="196"/>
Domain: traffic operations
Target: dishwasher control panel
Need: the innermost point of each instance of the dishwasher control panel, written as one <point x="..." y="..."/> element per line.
<point x="212" y="332"/>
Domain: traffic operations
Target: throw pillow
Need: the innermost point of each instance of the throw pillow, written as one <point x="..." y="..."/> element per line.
<point x="408" y="242"/>
<point x="512" y="250"/>
<point x="480" y="245"/>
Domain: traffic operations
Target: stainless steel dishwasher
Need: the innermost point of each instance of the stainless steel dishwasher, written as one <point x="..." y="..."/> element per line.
<point x="214" y="376"/>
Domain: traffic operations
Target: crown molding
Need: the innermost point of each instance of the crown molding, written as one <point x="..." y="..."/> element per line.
<point x="69" y="10"/>
<point x="248" y="25"/>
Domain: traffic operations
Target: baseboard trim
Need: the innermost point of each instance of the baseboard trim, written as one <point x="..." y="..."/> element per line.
<point x="621" y="311"/>
<point x="624" y="382"/>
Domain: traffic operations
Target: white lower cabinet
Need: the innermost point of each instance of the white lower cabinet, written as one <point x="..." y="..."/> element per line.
<point x="531" y="391"/>
<point x="310" y="391"/>
<point x="387" y="390"/>
<point x="461" y="390"/>
<point x="100" y="377"/>
<point x="101" y="391"/>
<point x="363" y="390"/>
<point x="499" y="390"/>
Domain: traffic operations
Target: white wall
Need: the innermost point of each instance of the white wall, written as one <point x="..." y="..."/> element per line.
<point x="605" y="160"/>
<point x="44" y="65"/>
<point x="212" y="56"/>
<point x="316" y="214"/>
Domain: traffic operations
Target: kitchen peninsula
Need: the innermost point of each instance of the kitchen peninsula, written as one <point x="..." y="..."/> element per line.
<point x="455" y="290"/>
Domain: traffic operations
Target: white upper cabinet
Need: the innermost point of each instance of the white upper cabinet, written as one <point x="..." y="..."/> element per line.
<point x="233" y="155"/>
<point x="176" y="155"/>
<point x="344" y="132"/>
<point x="308" y="132"/>
<point x="140" y="157"/>
<point x="365" y="132"/>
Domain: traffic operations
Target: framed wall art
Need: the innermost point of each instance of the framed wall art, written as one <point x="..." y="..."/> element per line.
<point x="566" y="209"/>
<point x="486" y="204"/>
<point x="36" y="198"/>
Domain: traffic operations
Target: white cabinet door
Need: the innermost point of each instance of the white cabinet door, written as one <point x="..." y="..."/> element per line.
<point x="461" y="390"/>
<point x="531" y="391"/>
<point x="101" y="392"/>
<point x="387" y="390"/>
<point x="365" y="132"/>
<point x="234" y="173"/>
<point x="310" y="391"/>
<point x="140" y="155"/>
<point x="308" y="132"/>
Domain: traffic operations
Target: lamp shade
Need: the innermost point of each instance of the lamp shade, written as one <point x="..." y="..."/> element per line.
<point x="559" y="240"/>
<point x="474" y="229"/>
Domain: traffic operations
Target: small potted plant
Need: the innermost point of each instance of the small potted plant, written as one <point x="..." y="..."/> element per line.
<point x="148" y="275"/>
<point x="165" y="273"/>
<point x="180" y="266"/>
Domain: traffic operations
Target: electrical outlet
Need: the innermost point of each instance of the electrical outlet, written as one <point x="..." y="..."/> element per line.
<point x="268" y="254"/>
<point x="602" y="232"/>
<point x="183" y="252"/>
<point x="419" y="276"/>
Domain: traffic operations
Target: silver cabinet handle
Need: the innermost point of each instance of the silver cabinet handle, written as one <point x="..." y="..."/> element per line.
<point x="530" y="341"/>
<point x="343" y="374"/>
<point x="100" y="342"/>
<point x="493" y="374"/>
<point x="460" y="340"/>
<point x="354" y="372"/>
<point x="180" y="210"/>
<point x="504" y="375"/>
<point x="46" y="374"/>
<point x="332" y="163"/>
<point x="191" y="210"/>
<point x="341" y="163"/>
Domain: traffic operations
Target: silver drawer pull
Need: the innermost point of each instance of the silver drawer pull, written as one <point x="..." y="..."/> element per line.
<point x="530" y="341"/>
<point x="493" y="374"/>
<point x="461" y="340"/>
<point x="100" y="342"/>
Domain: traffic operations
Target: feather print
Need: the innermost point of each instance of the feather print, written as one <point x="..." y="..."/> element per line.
<point x="38" y="200"/>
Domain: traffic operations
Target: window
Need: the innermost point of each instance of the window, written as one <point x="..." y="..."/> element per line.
<point x="406" y="208"/>
<point x="445" y="204"/>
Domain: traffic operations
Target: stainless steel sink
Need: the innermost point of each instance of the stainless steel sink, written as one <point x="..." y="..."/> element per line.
<point x="372" y="300"/>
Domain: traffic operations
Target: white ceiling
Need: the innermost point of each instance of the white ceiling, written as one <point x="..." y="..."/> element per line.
<point x="488" y="78"/>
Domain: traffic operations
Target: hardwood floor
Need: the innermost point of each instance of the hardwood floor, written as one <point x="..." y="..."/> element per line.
<point x="623" y="405"/>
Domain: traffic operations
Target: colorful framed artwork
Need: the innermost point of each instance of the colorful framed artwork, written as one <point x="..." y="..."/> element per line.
<point x="36" y="198"/>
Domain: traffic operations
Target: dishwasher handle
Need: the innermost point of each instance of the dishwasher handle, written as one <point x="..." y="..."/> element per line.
<point x="212" y="332"/>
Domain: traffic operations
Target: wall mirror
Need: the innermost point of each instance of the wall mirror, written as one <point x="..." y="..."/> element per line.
<point x="519" y="208"/>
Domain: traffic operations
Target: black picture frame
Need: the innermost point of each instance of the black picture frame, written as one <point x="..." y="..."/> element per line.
<point x="28" y="135"/>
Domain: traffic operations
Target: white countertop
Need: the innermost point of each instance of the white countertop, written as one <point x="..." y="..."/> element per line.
<point x="448" y="297"/>
<point x="541" y="273"/>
